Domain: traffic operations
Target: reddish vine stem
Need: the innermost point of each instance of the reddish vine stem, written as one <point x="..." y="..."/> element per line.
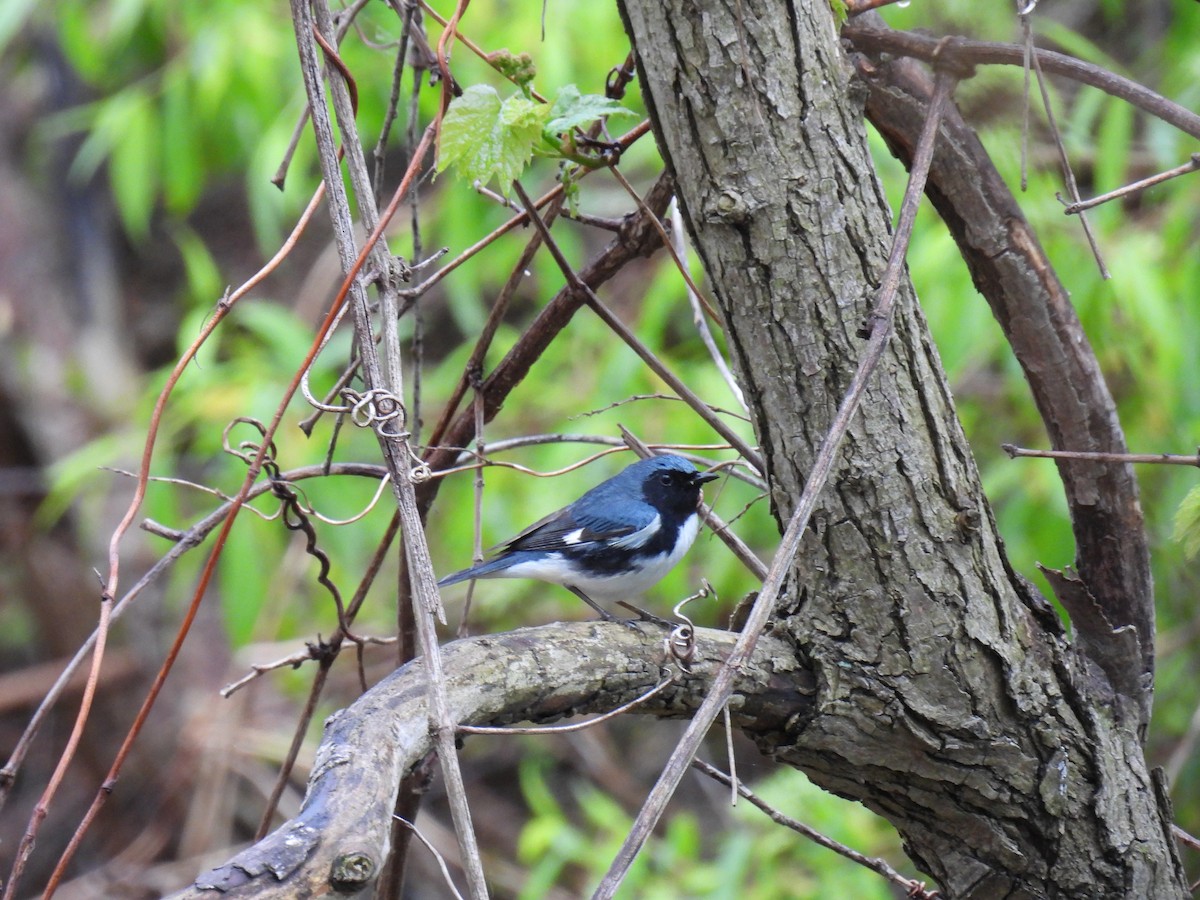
<point x="42" y="808"/>
<point x="235" y="506"/>
<point x="25" y="848"/>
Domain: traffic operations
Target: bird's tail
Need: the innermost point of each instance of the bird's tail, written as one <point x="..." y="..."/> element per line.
<point x="483" y="570"/>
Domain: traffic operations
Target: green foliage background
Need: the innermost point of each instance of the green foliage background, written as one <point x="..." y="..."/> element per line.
<point x="189" y="98"/>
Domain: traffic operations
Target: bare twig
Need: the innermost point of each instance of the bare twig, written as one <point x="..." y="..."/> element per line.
<point x="1188" y="167"/>
<point x="477" y="512"/>
<point x="759" y="616"/>
<point x="670" y="398"/>
<point x="441" y="861"/>
<point x="602" y="222"/>
<point x="1184" y="748"/>
<point x="409" y="18"/>
<point x="386" y="374"/>
<point x="666" y="682"/>
<point x="914" y="889"/>
<point x="1065" y="162"/>
<point x="857" y="7"/>
<point x="481" y="244"/>
<point x="679" y="247"/>
<point x="1161" y="459"/>
<point x="675" y="253"/>
<point x="1024" y="14"/>
<point x="1185" y="837"/>
<point x="469" y="459"/>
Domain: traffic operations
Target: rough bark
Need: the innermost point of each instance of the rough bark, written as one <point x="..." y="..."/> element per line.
<point x="950" y="700"/>
<point x="1112" y="603"/>
<point x="339" y="839"/>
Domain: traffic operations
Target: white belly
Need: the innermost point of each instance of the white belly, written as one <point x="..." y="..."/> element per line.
<point x="626" y="586"/>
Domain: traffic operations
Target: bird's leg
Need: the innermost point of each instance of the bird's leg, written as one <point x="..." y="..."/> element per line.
<point x="646" y="616"/>
<point x="604" y="613"/>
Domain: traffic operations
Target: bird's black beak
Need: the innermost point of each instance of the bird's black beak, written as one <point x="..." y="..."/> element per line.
<point x="701" y="477"/>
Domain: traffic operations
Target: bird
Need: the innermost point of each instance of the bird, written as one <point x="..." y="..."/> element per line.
<point x="614" y="542"/>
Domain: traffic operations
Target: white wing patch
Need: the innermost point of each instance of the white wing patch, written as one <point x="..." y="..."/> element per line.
<point x="641" y="536"/>
<point x="573" y="537"/>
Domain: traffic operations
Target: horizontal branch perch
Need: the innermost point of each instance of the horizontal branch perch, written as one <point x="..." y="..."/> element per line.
<point x="339" y="839"/>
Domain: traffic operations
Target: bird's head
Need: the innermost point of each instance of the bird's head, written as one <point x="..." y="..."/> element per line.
<point x="671" y="483"/>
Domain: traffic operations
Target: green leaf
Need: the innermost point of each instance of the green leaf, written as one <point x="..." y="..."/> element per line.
<point x="1187" y="523"/>
<point x="183" y="156"/>
<point x="487" y="138"/>
<point x="203" y="273"/>
<point x="572" y="109"/>
<point x="131" y="128"/>
<point x="245" y="583"/>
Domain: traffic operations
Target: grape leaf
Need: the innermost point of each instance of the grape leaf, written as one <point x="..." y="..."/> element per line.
<point x="1187" y="523"/>
<point x="486" y="137"/>
<point x="571" y="109"/>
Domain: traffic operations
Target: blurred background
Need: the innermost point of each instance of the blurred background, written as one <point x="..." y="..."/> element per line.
<point x="138" y="144"/>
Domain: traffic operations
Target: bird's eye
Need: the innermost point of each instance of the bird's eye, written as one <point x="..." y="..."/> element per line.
<point x="665" y="478"/>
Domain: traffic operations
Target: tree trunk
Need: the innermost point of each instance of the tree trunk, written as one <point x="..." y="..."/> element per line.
<point x="950" y="700"/>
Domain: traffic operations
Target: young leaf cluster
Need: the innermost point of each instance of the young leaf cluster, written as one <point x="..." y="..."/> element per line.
<point x="487" y="138"/>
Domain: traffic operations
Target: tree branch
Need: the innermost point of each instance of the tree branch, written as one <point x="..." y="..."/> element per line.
<point x="532" y="674"/>
<point x="869" y="35"/>
<point x="1034" y="310"/>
